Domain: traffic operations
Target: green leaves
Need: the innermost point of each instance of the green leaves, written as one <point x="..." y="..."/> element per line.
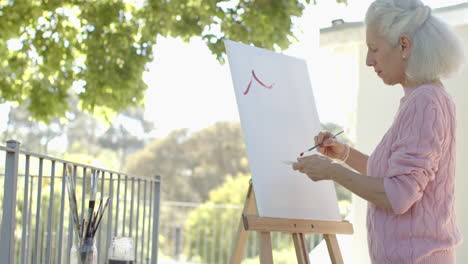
<point x="105" y="45"/>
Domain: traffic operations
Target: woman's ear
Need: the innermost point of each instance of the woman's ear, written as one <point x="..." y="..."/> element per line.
<point x="405" y="46"/>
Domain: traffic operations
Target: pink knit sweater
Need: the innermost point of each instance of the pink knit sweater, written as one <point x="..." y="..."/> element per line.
<point x="416" y="158"/>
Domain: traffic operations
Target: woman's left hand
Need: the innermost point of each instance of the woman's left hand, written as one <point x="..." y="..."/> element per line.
<point x="317" y="167"/>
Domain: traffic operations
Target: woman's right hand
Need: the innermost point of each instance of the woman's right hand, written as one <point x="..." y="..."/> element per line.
<point x="331" y="147"/>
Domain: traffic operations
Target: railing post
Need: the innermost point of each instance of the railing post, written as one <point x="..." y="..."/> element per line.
<point x="7" y="244"/>
<point x="154" y="244"/>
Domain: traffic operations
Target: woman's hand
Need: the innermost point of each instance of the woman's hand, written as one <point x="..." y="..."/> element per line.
<point x="330" y="147"/>
<point x="317" y="167"/>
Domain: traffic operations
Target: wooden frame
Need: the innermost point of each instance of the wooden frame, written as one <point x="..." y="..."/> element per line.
<point x="250" y="221"/>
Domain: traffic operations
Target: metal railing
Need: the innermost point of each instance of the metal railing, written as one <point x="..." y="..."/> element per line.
<point x="36" y="226"/>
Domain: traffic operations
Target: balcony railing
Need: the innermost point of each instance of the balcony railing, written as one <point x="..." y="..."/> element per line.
<point x="36" y="226"/>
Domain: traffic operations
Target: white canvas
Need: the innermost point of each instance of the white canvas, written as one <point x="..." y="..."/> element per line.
<point x="279" y="120"/>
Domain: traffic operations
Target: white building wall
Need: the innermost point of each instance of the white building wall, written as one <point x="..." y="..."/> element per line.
<point x="458" y="87"/>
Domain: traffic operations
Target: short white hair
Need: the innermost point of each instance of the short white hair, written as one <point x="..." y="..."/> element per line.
<point x="436" y="52"/>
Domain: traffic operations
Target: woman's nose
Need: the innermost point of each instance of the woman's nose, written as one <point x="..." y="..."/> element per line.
<point x="370" y="60"/>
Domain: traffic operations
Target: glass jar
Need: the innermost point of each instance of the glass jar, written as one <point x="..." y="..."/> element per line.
<point x="85" y="253"/>
<point x="121" y="251"/>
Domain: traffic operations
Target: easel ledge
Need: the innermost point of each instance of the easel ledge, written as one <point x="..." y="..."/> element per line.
<point x="288" y="225"/>
<point x="250" y="221"/>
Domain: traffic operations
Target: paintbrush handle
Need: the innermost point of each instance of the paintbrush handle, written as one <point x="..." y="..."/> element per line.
<point x="90" y="215"/>
<point x="100" y="216"/>
<point x="312" y="148"/>
<point x="73" y="208"/>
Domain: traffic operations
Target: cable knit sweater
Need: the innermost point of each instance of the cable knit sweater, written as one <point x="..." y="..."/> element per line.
<point x="416" y="158"/>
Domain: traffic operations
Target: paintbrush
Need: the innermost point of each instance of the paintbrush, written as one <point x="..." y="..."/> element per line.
<point x="72" y="201"/>
<point x="83" y="228"/>
<point x="100" y="214"/>
<point x="318" y="145"/>
<point x="95" y="217"/>
<point x="92" y="201"/>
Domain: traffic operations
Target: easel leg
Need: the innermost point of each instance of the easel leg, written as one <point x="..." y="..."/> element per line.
<point x="333" y="249"/>
<point x="266" y="251"/>
<point x="242" y="235"/>
<point x="301" y="248"/>
<point x="239" y="245"/>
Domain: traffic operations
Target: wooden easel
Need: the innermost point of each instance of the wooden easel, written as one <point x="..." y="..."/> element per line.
<point x="250" y="221"/>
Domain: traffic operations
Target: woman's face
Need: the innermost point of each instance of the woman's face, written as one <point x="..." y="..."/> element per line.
<point x="388" y="61"/>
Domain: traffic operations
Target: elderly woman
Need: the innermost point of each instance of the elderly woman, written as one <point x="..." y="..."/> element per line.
<point x="409" y="178"/>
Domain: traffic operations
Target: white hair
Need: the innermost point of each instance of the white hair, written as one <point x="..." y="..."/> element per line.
<point x="436" y="51"/>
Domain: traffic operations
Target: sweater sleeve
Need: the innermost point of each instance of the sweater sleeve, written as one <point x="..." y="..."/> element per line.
<point x="415" y="153"/>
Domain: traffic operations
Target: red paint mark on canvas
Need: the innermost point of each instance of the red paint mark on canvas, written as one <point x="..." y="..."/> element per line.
<point x="248" y="87"/>
<point x="257" y="80"/>
<point x="260" y="82"/>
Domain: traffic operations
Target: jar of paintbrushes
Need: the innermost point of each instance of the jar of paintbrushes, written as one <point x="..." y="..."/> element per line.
<point x="84" y="250"/>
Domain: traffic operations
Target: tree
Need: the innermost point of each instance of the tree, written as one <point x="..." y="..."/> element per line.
<point x="109" y="143"/>
<point x="202" y="220"/>
<point x="192" y="164"/>
<point x="98" y="50"/>
<point x="33" y="136"/>
<point x="120" y="139"/>
<point x="84" y="133"/>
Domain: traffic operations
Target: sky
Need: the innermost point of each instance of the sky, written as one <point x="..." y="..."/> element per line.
<point x="188" y="88"/>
